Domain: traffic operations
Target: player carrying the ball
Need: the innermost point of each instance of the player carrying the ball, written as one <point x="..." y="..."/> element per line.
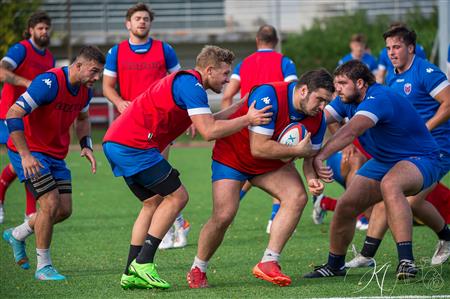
<point x="254" y="154"/>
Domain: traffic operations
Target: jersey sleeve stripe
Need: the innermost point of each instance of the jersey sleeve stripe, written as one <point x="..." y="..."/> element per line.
<point x="316" y="146"/>
<point x="10" y="61"/>
<point x="333" y="113"/>
<point x="439" y="88"/>
<point x="261" y="130"/>
<point x="29" y="100"/>
<point x="290" y="78"/>
<point x="197" y="111"/>
<point x="85" y="109"/>
<point x="235" y="77"/>
<point x="109" y="73"/>
<point x="175" y="68"/>
<point x="368" y="114"/>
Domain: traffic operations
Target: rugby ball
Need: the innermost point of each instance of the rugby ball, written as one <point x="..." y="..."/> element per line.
<point x="292" y="134"/>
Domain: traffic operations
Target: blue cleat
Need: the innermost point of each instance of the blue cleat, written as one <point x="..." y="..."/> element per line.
<point x="48" y="273"/>
<point x="18" y="247"/>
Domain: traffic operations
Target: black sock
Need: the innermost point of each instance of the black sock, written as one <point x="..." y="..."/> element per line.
<point x="444" y="234"/>
<point x="404" y="250"/>
<point x="132" y="254"/>
<point x="370" y="246"/>
<point x="335" y="261"/>
<point x="148" y="251"/>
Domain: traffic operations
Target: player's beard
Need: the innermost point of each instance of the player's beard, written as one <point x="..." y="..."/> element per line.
<point x="353" y="97"/>
<point x="141" y="35"/>
<point x="304" y="104"/>
<point x="42" y="41"/>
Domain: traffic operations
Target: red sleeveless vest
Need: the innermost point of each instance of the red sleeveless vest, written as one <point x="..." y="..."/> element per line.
<point x="32" y="65"/>
<point x="234" y="151"/>
<point x="47" y="128"/>
<point x="259" y="68"/>
<point x="153" y="119"/>
<point x="137" y="71"/>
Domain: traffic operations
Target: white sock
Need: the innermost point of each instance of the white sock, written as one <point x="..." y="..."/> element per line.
<point x="179" y="222"/>
<point x="202" y="265"/>
<point x="270" y="256"/>
<point x="22" y="231"/>
<point x="43" y="258"/>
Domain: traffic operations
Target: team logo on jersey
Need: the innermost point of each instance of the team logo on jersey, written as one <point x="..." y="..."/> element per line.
<point x="370" y="97"/>
<point x="48" y="82"/>
<point x="407" y="88"/>
<point x="400" y="80"/>
<point x="429" y="70"/>
<point x="199" y="85"/>
<point x="266" y="100"/>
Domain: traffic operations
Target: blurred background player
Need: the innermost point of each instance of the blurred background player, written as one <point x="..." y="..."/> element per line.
<point x="385" y="65"/>
<point x="21" y="64"/>
<point x="358" y="51"/>
<point x="263" y="66"/>
<point x="39" y="124"/>
<point x="149" y="60"/>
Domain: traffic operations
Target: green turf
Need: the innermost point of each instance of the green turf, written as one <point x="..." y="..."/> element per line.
<point x="91" y="247"/>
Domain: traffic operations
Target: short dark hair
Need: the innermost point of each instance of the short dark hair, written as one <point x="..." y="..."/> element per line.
<point x="139" y="7"/>
<point x="92" y="53"/>
<point x="354" y="70"/>
<point x="316" y="79"/>
<point x="214" y="55"/>
<point x="37" y="17"/>
<point x="406" y="35"/>
<point x="359" y="38"/>
<point x="267" y="34"/>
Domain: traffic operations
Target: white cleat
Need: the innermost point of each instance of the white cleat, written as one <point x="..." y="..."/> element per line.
<point x="360" y="261"/>
<point x="318" y="213"/>
<point x="269" y="226"/>
<point x="442" y="253"/>
<point x="2" y="213"/>
<point x="181" y="234"/>
<point x="167" y="241"/>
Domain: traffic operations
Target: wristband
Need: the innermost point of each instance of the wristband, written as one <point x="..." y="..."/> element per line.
<point x="14" y="124"/>
<point x="86" y="141"/>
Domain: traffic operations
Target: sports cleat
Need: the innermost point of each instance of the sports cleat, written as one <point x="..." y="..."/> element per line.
<point x="269" y="225"/>
<point x="181" y="234"/>
<point x="362" y="223"/>
<point x="441" y="254"/>
<point x="271" y="272"/>
<point x="406" y="269"/>
<point x="18" y="247"/>
<point x="128" y="282"/>
<point x="48" y="273"/>
<point x="318" y="213"/>
<point x="27" y="217"/>
<point x="360" y="261"/>
<point x="148" y="273"/>
<point x="167" y="241"/>
<point x="325" y="271"/>
<point x="2" y="213"/>
<point x="197" y="279"/>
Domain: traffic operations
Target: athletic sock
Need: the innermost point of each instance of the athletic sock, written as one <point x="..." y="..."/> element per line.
<point x="370" y="247"/>
<point x="275" y="208"/>
<point x="444" y="234"/>
<point x="202" y="265"/>
<point x="132" y="254"/>
<point x="147" y="254"/>
<point x="242" y="194"/>
<point x="179" y="222"/>
<point x="21" y="232"/>
<point x="404" y="250"/>
<point x="336" y="262"/>
<point x="31" y="203"/>
<point x="270" y="256"/>
<point x="328" y="203"/>
<point x="6" y="179"/>
<point x="43" y="258"/>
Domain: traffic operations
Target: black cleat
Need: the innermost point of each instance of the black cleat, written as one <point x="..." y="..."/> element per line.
<point x="325" y="271"/>
<point x="406" y="269"/>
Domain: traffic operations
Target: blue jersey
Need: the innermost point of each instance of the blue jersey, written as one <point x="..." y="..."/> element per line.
<point x="384" y="63"/>
<point x="189" y="94"/>
<point x="367" y="59"/>
<point x="287" y="67"/>
<point x="16" y="54"/>
<point x="420" y="84"/>
<point x="43" y="90"/>
<point x="399" y="131"/>
<point x="169" y="55"/>
<point x="262" y="96"/>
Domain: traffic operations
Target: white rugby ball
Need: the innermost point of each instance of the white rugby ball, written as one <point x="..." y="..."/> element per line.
<point x="292" y="134"/>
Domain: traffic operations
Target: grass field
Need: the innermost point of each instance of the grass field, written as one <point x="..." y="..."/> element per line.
<point x="91" y="247"/>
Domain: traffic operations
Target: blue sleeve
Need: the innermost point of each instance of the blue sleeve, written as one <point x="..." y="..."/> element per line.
<point x="317" y="138"/>
<point x="42" y="90"/>
<point x="15" y="55"/>
<point x="430" y="76"/>
<point x="264" y="96"/>
<point x="376" y="109"/>
<point x="420" y="51"/>
<point x="170" y="56"/>
<point x="337" y="109"/>
<point x="288" y="68"/>
<point x="189" y="94"/>
<point x="111" y="62"/>
<point x="237" y="71"/>
<point x="373" y="65"/>
<point x="383" y="59"/>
